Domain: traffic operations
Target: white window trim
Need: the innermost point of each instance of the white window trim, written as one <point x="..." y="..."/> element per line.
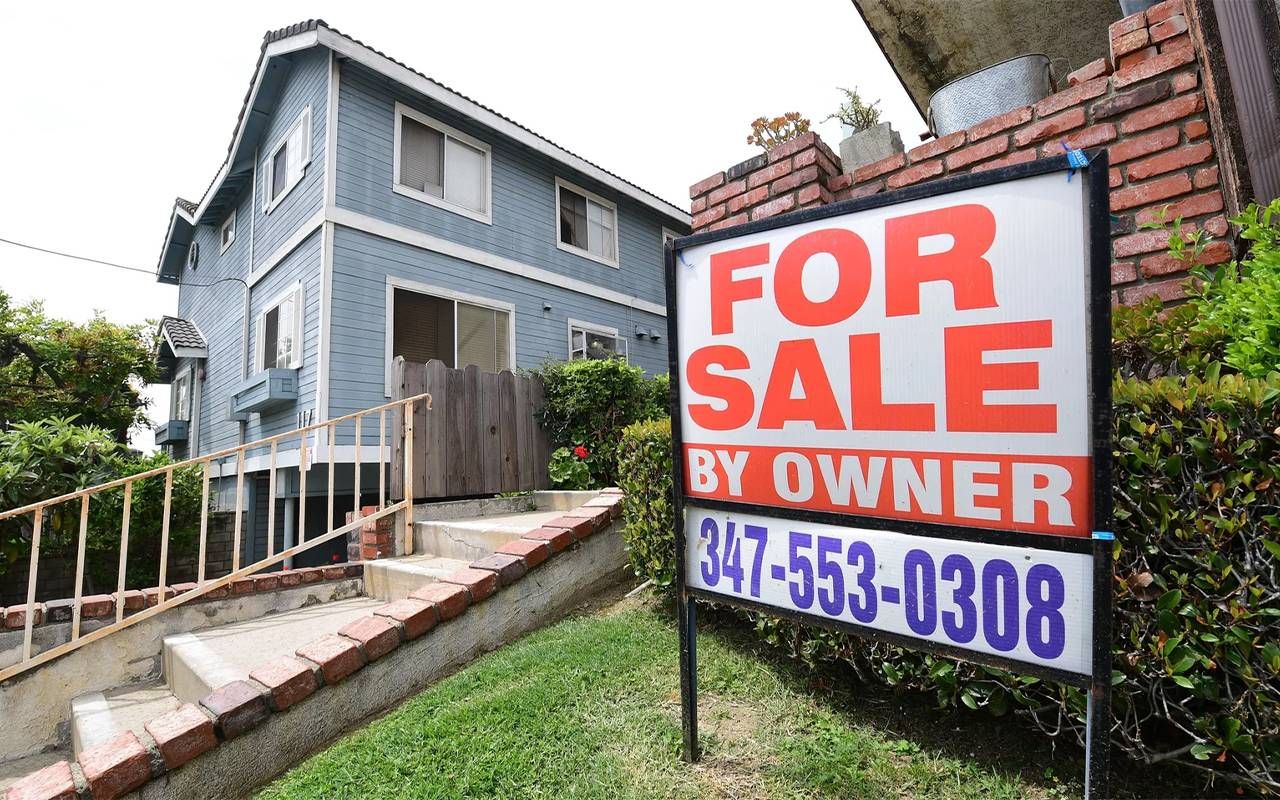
<point x="394" y="283"/>
<point x="486" y="216"/>
<point x="603" y="330"/>
<point x="193" y="255"/>
<point x="225" y="243"/>
<point x="597" y="199"/>
<point x="269" y="165"/>
<point x="296" y="359"/>
<point x="186" y="375"/>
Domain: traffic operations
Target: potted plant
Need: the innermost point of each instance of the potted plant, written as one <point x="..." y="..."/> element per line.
<point x="866" y="138"/>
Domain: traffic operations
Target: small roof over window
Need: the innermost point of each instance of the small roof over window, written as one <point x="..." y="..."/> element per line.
<point x="179" y="338"/>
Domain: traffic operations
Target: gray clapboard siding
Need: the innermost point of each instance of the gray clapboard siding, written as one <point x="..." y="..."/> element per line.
<point x="361" y="264"/>
<point x="218" y="309"/>
<point x="524" y="207"/>
<point x="307" y="85"/>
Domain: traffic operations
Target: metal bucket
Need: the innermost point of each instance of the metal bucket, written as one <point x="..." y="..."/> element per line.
<point x="989" y="92"/>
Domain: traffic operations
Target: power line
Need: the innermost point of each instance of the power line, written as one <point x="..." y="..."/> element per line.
<point x="76" y="257"/>
<point x="115" y="265"/>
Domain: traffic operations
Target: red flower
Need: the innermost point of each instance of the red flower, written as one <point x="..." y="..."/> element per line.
<point x="580" y="451"/>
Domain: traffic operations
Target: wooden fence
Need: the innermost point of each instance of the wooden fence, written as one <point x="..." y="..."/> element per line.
<point x="482" y="438"/>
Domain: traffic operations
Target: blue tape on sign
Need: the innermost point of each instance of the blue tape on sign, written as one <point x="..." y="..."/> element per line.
<point x="1076" y="159"/>
<point x="1104" y="535"/>
<point x="682" y="261"/>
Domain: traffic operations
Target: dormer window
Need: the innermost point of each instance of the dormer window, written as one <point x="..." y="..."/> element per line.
<point x="287" y="161"/>
<point x="227" y="234"/>
<point x="439" y="165"/>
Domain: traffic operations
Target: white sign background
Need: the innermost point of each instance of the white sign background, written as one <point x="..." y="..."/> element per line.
<point x="1039" y="262"/>
<point x="890" y="550"/>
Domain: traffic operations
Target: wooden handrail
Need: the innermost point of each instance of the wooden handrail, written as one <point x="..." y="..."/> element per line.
<point x="407" y="408"/>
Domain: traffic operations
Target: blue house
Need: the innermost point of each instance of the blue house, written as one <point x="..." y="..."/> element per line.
<point x="363" y="212"/>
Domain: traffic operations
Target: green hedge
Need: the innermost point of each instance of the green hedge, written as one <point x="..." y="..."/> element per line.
<point x="44" y="459"/>
<point x="589" y="402"/>
<point x="644" y="475"/>
<point x="1197" y="619"/>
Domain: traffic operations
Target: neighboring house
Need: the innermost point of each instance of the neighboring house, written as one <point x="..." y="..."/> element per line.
<point x="365" y="212"/>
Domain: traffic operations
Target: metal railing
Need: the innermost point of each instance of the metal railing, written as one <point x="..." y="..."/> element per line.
<point x="38" y="510"/>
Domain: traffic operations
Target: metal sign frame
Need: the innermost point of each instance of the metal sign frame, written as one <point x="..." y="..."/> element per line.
<point x="1097" y="232"/>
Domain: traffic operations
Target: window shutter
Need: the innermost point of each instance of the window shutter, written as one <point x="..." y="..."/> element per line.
<point x="260" y="335"/>
<point x="295" y="152"/>
<point x="299" y="314"/>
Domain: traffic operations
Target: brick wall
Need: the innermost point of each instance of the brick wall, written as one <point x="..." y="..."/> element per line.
<point x="1143" y="102"/>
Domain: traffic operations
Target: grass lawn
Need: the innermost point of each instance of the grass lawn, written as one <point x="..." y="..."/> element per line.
<point x="589" y="708"/>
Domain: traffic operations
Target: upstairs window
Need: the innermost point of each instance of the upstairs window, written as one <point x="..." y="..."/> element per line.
<point x="439" y="165"/>
<point x="280" y="332"/>
<point x="595" y="342"/>
<point x="227" y="234"/>
<point x="193" y="255"/>
<point x="287" y="161"/>
<point x="588" y="223"/>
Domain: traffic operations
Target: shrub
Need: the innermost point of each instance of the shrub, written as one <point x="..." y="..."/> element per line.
<point x="589" y="402"/>
<point x="1243" y="299"/>
<point x="644" y="475"/>
<point x="1197" y="623"/>
<point x="1149" y="341"/>
<point x="39" y="460"/>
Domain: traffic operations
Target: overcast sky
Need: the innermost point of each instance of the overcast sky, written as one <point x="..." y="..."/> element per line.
<point x="112" y="109"/>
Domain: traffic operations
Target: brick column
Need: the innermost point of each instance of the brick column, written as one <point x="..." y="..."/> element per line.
<point x="1143" y="100"/>
<point x="372" y="540"/>
<point x="789" y="177"/>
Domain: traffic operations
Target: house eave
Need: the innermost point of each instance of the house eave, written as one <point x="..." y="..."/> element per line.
<point x="237" y="167"/>
<point x="176" y="241"/>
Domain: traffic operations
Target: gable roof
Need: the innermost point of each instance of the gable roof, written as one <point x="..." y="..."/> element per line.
<point x="176" y="240"/>
<point x="268" y="73"/>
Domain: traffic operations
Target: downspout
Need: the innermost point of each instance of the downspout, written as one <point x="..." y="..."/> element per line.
<point x="244" y="333"/>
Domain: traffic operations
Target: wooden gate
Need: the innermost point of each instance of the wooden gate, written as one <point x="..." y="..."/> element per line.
<point x="482" y="438"/>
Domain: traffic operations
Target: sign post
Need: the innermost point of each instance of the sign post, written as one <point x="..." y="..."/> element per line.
<point x="891" y="417"/>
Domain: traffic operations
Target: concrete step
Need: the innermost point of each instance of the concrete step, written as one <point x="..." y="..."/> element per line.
<point x="196" y="663"/>
<point x="476" y="537"/>
<point x="99" y="716"/>
<point x="15" y="769"/>
<point x="393" y="578"/>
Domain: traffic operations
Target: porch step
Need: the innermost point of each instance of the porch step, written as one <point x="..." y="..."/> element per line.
<point x="98" y="716"/>
<point x="470" y="539"/>
<point x="16" y="769"/>
<point x="196" y="663"/>
<point x="393" y="578"/>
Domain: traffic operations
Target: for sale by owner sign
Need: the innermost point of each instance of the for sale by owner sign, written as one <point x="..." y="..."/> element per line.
<point x="892" y="418"/>
<point x="923" y="361"/>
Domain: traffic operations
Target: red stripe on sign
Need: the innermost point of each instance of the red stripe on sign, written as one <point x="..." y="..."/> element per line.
<point x="1035" y="494"/>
